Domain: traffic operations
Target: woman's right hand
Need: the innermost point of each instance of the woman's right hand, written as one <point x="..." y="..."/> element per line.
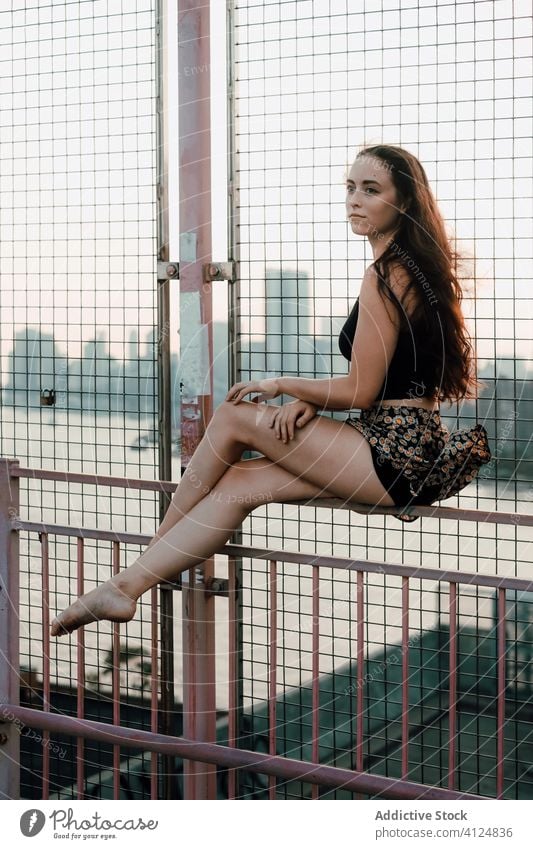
<point x="289" y="416"/>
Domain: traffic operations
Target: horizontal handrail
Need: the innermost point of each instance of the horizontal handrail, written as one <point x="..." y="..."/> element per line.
<point x="283" y="555"/>
<point x="214" y="753"/>
<point x="429" y="511"/>
<point x="86" y="533"/>
<point x="96" y="479"/>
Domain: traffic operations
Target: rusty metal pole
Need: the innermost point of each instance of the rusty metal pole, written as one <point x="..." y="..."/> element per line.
<point x="196" y="357"/>
<point x="9" y="629"/>
<point x="164" y="278"/>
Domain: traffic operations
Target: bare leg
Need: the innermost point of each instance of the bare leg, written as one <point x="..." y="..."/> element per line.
<point x="326" y="457"/>
<point x="216" y="452"/>
<point x="191" y="540"/>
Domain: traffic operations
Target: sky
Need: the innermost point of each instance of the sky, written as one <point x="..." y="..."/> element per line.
<point x="451" y="82"/>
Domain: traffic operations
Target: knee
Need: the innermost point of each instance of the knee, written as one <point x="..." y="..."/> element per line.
<point x="223" y="416"/>
<point x="242" y="420"/>
<point x="224" y="410"/>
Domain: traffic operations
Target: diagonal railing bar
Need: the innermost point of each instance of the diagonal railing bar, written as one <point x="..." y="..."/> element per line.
<point x="379" y="567"/>
<point x="214" y="753"/>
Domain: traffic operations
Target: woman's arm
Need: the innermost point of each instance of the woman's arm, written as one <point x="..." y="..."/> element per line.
<point x="375" y="341"/>
<point x="336" y="393"/>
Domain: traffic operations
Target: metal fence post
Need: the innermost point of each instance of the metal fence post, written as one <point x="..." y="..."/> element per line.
<point x="168" y="787"/>
<point x="9" y="629"/>
<point x="196" y="366"/>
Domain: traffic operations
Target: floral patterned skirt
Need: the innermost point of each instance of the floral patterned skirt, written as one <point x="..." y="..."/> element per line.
<point x="416" y="457"/>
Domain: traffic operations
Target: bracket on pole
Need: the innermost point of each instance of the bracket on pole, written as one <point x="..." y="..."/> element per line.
<point x="219" y="271"/>
<point x="168" y="270"/>
<point x="217" y="586"/>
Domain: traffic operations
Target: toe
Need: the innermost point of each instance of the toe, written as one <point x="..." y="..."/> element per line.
<point x="58" y="628"/>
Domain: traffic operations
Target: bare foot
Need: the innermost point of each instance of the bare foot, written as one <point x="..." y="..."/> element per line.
<point x="107" y="601"/>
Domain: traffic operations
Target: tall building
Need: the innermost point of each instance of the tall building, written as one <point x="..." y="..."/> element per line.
<point x="289" y="320"/>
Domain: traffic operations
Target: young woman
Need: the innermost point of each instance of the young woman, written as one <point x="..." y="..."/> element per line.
<point x="408" y="349"/>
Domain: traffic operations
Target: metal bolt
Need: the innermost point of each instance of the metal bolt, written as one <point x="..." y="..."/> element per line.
<point x="216" y="586"/>
<point x="171" y="270"/>
<point x="3" y="739"/>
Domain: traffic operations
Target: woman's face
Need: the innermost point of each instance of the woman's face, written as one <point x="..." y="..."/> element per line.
<point x="372" y="204"/>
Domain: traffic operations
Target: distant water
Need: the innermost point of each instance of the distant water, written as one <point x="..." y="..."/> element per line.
<point x="69" y="439"/>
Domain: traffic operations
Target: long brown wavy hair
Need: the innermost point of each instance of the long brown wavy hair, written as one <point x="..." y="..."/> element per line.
<point x="422" y="247"/>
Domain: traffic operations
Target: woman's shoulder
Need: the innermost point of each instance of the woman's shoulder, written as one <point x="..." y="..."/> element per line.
<point x="397" y="277"/>
<point x="398" y="281"/>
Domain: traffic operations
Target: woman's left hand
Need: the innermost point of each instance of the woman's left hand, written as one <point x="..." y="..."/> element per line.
<point x="268" y="387"/>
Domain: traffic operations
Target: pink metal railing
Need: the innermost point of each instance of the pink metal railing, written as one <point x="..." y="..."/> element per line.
<point x="198" y="748"/>
<point x="226" y="756"/>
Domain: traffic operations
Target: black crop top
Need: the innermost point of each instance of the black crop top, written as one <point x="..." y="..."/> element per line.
<point x="411" y="373"/>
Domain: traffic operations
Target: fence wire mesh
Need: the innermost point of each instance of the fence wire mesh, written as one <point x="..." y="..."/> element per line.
<point x="78" y="313"/>
<point x="312" y="83"/>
